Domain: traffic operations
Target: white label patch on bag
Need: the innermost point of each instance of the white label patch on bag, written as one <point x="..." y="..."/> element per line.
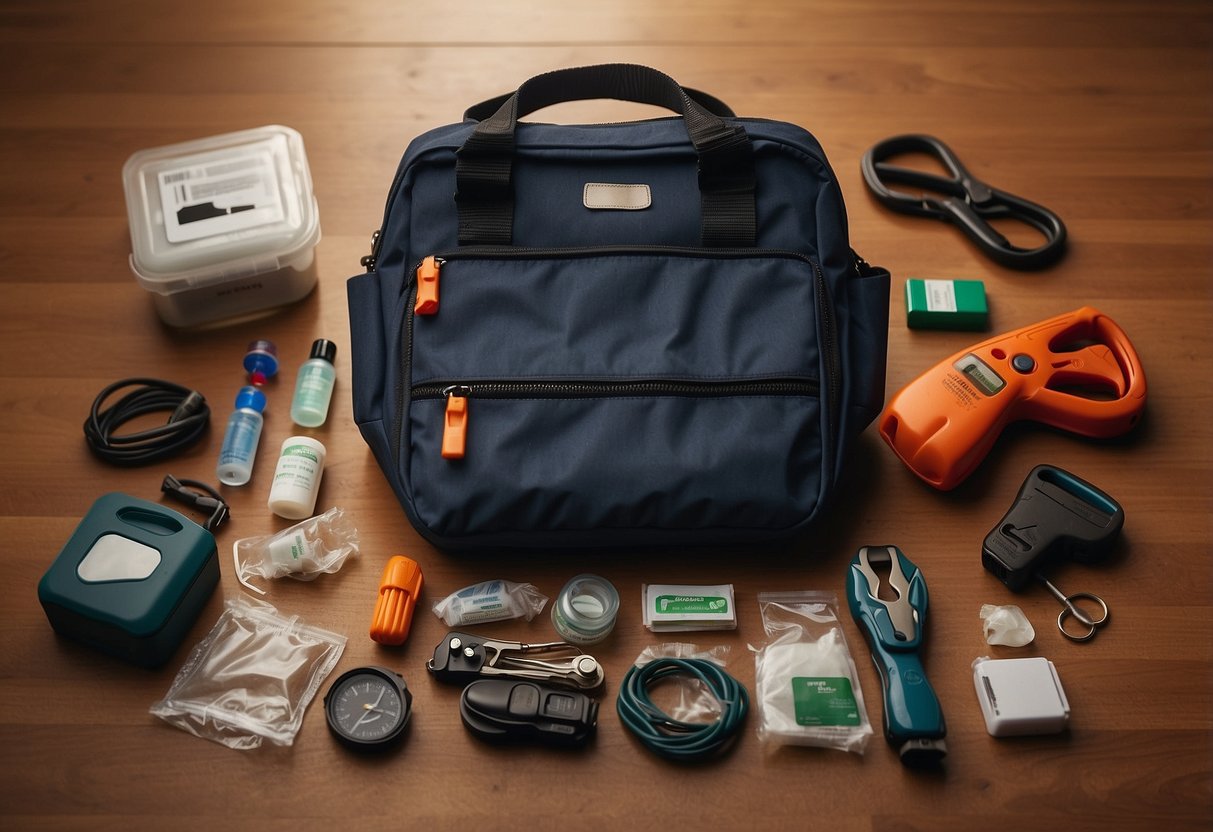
<point x="607" y="196"/>
<point x="202" y="199"/>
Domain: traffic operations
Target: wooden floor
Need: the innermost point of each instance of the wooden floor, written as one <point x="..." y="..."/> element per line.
<point x="1103" y="111"/>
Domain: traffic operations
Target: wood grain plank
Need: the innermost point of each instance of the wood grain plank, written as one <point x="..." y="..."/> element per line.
<point x="1122" y="23"/>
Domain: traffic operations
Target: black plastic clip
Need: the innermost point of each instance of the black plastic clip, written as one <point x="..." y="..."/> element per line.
<point x="208" y="500"/>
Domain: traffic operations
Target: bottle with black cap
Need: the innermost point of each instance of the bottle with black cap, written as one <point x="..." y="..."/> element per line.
<point x="314" y="387"/>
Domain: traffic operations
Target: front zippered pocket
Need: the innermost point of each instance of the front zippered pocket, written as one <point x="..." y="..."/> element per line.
<point x="465" y="334"/>
<point x="651" y="388"/>
<point x="563" y="457"/>
<point x="457" y="416"/>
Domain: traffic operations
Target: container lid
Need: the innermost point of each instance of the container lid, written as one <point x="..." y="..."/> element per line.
<point x="250" y="398"/>
<point x="261" y="361"/>
<point x="323" y="348"/>
<point x="219" y="208"/>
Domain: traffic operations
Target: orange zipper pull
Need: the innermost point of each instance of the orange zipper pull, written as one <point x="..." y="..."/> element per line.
<point x="427" y="286"/>
<point x="455" y="430"/>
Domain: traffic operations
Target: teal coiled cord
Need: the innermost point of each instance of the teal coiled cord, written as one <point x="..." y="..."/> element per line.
<point x="672" y="738"/>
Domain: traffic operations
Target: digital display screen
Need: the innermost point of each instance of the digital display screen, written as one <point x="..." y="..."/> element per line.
<point x="981" y="374"/>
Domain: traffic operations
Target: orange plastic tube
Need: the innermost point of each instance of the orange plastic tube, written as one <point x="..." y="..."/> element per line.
<point x="398" y="591"/>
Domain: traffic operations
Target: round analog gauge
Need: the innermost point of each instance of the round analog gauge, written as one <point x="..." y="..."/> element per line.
<point x="368" y="707"/>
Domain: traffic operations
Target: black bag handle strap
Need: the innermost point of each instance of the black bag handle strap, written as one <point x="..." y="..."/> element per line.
<point x="486" y="108"/>
<point x="484" y="165"/>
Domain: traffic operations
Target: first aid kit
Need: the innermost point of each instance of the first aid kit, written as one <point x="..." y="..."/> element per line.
<point x="653" y="332"/>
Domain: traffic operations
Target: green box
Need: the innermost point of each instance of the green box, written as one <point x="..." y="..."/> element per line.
<point x="946" y="304"/>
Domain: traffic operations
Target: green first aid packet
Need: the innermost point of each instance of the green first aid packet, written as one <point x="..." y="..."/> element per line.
<point x="683" y="607"/>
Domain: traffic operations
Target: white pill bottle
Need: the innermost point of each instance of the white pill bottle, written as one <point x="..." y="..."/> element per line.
<point x="297" y="478"/>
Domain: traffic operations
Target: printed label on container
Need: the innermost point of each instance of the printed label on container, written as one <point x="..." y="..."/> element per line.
<point x="301" y="450"/>
<point x="694" y="604"/>
<point x="941" y="295"/>
<point x="824" y="700"/>
<point x="208" y="198"/>
<point x="298" y="466"/>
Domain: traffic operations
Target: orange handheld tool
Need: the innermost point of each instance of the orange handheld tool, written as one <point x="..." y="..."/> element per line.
<point x="398" y="591"/>
<point x="1078" y="372"/>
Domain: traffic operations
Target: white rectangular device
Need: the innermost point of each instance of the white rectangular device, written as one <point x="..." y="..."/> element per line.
<point x="1020" y="696"/>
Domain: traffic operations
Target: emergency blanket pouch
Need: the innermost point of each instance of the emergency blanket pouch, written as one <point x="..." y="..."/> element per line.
<point x="648" y="333"/>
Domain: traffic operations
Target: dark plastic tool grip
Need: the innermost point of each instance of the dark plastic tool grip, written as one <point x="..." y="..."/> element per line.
<point x="501" y="710"/>
<point x="1055" y="515"/>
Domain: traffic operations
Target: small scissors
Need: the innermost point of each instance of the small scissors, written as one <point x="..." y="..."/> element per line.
<point x="968" y="202"/>
<point x="1073" y="611"/>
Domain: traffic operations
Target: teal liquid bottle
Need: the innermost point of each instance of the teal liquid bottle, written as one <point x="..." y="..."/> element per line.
<point x="314" y="386"/>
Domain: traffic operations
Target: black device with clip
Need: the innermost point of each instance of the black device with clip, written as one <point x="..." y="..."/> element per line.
<point x="966" y="201"/>
<point x="462" y="658"/>
<point x="1055" y="515"/>
<point x="508" y="710"/>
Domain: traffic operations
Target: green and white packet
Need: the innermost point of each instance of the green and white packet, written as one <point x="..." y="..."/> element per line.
<point x="807" y="688"/>
<point x="672" y="608"/>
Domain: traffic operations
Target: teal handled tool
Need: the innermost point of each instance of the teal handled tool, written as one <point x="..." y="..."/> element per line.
<point x="913" y="720"/>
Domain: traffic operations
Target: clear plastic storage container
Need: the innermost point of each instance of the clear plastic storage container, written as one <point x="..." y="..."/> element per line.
<point x="223" y="226"/>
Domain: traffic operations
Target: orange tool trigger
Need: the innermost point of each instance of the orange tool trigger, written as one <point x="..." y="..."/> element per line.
<point x="1091" y="365"/>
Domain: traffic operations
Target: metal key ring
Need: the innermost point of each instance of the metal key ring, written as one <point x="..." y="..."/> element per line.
<point x="1072" y="610"/>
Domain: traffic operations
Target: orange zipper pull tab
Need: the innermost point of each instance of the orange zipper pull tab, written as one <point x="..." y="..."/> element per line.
<point x="455" y="430"/>
<point x="427" y="286"/>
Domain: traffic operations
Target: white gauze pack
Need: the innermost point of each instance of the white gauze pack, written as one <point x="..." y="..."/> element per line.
<point x="807" y="688"/>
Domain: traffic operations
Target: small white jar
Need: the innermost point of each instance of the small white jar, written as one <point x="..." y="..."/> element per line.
<point x="297" y="478"/>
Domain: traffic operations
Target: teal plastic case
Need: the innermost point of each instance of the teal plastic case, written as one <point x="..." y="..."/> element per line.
<point x="132" y="579"/>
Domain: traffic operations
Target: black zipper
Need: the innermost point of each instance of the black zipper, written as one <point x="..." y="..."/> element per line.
<point x="824" y="307"/>
<point x="608" y="388"/>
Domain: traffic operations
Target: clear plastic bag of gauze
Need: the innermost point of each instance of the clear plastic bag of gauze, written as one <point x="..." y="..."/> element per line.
<point x="807" y="686"/>
<point x="304" y="551"/>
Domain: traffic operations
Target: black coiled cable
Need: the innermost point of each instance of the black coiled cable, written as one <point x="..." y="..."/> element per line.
<point x="672" y="738"/>
<point x="189" y="420"/>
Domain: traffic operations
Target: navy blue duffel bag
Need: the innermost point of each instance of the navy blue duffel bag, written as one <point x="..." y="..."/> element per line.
<point x="650" y="333"/>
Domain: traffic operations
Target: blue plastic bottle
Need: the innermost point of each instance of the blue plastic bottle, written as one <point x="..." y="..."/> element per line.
<point x="240" y="440"/>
